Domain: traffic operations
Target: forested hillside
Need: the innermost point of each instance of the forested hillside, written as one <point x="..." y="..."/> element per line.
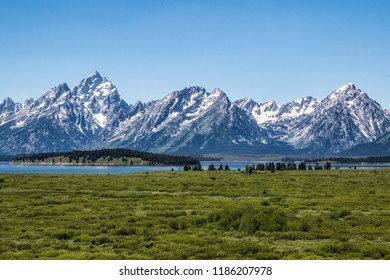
<point x="107" y="156"/>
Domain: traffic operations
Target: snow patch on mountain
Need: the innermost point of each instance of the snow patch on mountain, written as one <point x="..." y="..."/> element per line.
<point x="192" y="120"/>
<point x="345" y="118"/>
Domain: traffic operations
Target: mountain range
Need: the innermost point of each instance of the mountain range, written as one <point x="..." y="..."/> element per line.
<point x="93" y="115"/>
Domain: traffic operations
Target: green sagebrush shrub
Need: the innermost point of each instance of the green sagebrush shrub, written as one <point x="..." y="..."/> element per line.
<point x="250" y="219"/>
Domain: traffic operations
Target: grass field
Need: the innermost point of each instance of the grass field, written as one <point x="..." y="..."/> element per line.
<point x="197" y="215"/>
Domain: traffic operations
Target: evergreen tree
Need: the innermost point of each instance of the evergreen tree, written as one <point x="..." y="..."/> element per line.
<point x="291" y="166"/>
<point x="302" y="166"/>
<point x="227" y="168"/>
<point x="272" y="167"/>
<point x="211" y="167"/>
<point x="220" y="167"/>
<point x="249" y="169"/>
<point x="260" y="166"/>
<point x="318" y="167"/>
<point x="197" y="167"/>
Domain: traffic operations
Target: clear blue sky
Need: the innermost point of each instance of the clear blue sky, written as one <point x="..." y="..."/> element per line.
<point x="262" y="49"/>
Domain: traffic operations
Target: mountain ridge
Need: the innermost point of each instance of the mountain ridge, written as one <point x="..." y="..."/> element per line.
<point x="93" y="115"/>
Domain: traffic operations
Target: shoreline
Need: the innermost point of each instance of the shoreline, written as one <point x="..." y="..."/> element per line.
<point x="83" y="164"/>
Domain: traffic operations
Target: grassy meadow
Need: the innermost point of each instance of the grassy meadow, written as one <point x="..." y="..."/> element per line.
<point x="323" y="214"/>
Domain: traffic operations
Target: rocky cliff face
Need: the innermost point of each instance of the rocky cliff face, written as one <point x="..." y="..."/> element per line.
<point x="189" y="121"/>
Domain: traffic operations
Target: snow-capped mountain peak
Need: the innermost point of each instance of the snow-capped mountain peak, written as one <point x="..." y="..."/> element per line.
<point x="218" y="94"/>
<point x="344" y="92"/>
<point x="191" y="120"/>
<point x="271" y="112"/>
<point x="246" y="103"/>
<point x="88" y="86"/>
<point x="68" y="119"/>
<point x="8" y="108"/>
<point x="298" y="108"/>
<point x="8" y="105"/>
<point x="52" y="97"/>
<point x="346" y="88"/>
<point x="345" y="118"/>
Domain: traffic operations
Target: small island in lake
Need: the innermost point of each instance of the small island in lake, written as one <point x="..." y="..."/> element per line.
<point x="120" y="157"/>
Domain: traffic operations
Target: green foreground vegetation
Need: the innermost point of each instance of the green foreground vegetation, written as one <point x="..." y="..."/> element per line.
<point x="323" y="214"/>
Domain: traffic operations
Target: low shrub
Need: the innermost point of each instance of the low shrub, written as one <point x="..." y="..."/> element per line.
<point x="62" y="234"/>
<point x="100" y="239"/>
<point x="340" y="214"/>
<point x="249" y="219"/>
<point x="305" y="226"/>
<point x="125" y="231"/>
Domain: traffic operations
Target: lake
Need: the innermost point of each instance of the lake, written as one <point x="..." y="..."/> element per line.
<point x="7" y="167"/>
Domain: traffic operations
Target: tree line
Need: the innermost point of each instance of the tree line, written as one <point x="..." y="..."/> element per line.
<point x="93" y="155"/>
<point x="345" y="160"/>
<point x="269" y="166"/>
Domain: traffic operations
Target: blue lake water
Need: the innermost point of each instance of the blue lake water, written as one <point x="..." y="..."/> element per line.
<point x="7" y="167"/>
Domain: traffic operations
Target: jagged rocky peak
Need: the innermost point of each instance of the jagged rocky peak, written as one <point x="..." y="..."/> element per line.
<point x="194" y="90"/>
<point x="93" y="114"/>
<point x="218" y="95"/>
<point x="269" y="106"/>
<point x="89" y="85"/>
<point x="95" y="78"/>
<point x="194" y="97"/>
<point x="298" y="107"/>
<point x="351" y="96"/>
<point x="188" y="93"/>
<point x="246" y="103"/>
<point x="218" y="92"/>
<point x="9" y="106"/>
<point x="306" y="103"/>
<point x="139" y="105"/>
<point x="8" y="103"/>
<point x="345" y="118"/>
<point x="305" y="100"/>
<point x="61" y="88"/>
<point x="28" y="101"/>
<point x="54" y="94"/>
<point x="8" y="100"/>
<point x="347" y="91"/>
<point x="96" y="91"/>
<point x="346" y="88"/>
